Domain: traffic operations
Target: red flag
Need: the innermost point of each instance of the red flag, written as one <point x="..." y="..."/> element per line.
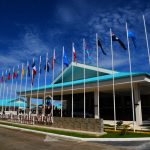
<point x="8" y="78"/>
<point x="33" y="71"/>
<point x="14" y="75"/>
<point x="74" y="54"/>
<point x="53" y="59"/>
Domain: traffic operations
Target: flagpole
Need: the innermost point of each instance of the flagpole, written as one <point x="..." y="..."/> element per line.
<point x="20" y="89"/>
<point x="84" y="74"/>
<point x="16" y="86"/>
<point x="62" y="82"/>
<point x="31" y="89"/>
<point x="146" y="36"/>
<point x="8" y="77"/>
<point x="26" y="83"/>
<point x="97" y="74"/>
<point x="72" y="78"/>
<point x="6" y="99"/>
<point x="114" y="94"/>
<point x="45" y="80"/>
<point x="4" y="91"/>
<point x="131" y="79"/>
<point x="53" y="63"/>
<point x="1" y="89"/>
<point x="38" y="87"/>
<point x="11" y="88"/>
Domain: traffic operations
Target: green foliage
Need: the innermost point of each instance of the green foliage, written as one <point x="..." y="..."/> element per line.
<point x="124" y="128"/>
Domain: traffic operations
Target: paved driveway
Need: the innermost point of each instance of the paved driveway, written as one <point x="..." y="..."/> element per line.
<point x="19" y="140"/>
<point x="133" y="145"/>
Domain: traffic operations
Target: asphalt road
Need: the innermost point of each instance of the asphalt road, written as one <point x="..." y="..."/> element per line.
<point x="19" y="140"/>
<point x="133" y="145"/>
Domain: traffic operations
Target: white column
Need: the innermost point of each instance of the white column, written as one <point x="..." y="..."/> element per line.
<point x="138" y="109"/>
<point x="96" y="101"/>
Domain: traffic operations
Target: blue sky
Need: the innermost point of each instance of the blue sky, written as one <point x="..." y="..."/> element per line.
<point x="30" y="28"/>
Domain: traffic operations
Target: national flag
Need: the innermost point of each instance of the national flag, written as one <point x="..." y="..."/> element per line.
<point x="46" y="68"/>
<point x="74" y="54"/>
<point x="53" y="59"/>
<point x="28" y="70"/>
<point x="131" y="35"/>
<point x="100" y="45"/>
<point x="17" y="74"/>
<point x="115" y="38"/>
<point x="22" y="71"/>
<point x="87" y="52"/>
<point x="8" y="78"/>
<point x="65" y="60"/>
<point x="14" y="75"/>
<point x="33" y="71"/>
<point x="40" y="66"/>
<point x="2" y="78"/>
<point x="5" y="77"/>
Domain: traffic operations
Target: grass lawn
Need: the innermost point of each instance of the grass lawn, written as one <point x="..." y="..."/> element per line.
<point x="68" y="133"/>
<point x="110" y="133"/>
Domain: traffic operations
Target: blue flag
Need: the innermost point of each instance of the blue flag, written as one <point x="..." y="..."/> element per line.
<point x="65" y="60"/>
<point x="132" y="37"/>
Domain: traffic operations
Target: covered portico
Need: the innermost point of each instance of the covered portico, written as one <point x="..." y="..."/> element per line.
<point x="124" y="111"/>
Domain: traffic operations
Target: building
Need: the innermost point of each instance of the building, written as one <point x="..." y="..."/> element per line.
<point x="104" y="78"/>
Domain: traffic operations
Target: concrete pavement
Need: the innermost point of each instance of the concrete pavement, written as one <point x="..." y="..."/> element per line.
<point x="19" y="140"/>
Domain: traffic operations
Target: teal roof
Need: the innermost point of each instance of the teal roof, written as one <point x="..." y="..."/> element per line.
<point x="91" y="80"/>
<point x="10" y="102"/>
<point x="78" y="72"/>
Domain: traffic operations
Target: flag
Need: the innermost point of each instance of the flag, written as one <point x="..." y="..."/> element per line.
<point x="74" y="54"/>
<point x="2" y="78"/>
<point x="115" y="38"/>
<point x="28" y="70"/>
<point x="17" y="72"/>
<point x="87" y="52"/>
<point x="132" y="37"/>
<point x="46" y="68"/>
<point x="65" y="60"/>
<point x="100" y="45"/>
<point x="40" y="66"/>
<point x="14" y="75"/>
<point x="8" y="78"/>
<point x="22" y="71"/>
<point x="5" y="76"/>
<point x="33" y="71"/>
<point x="53" y="59"/>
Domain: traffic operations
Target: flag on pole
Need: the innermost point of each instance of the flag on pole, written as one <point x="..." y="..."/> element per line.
<point x="46" y="68"/>
<point x="115" y="38"/>
<point x="131" y="35"/>
<point x="40" y="66"/>
<point x="8" y="78"/>
<point x="17" y="72"/>
<point x="100" y="45"/>
<point x="53" y="59"/>
<point x="2" y="78"/>
<point x="33" y="71"/>
<point x="65" y="60"/>
<point x="87" y="52"/>
<point x="74" y="54"/>
<point x="14" y="75"/>
<point x="5" y="77"/>
<point x="28" y="70"/>
<point x="22" y="71"/>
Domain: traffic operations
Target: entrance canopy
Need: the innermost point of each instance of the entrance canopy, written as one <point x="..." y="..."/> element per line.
<point x="122" y="81"/>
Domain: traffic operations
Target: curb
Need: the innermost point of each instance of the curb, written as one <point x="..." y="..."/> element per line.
<point x="77" y="138"/>
<point x="40" y="132"/>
